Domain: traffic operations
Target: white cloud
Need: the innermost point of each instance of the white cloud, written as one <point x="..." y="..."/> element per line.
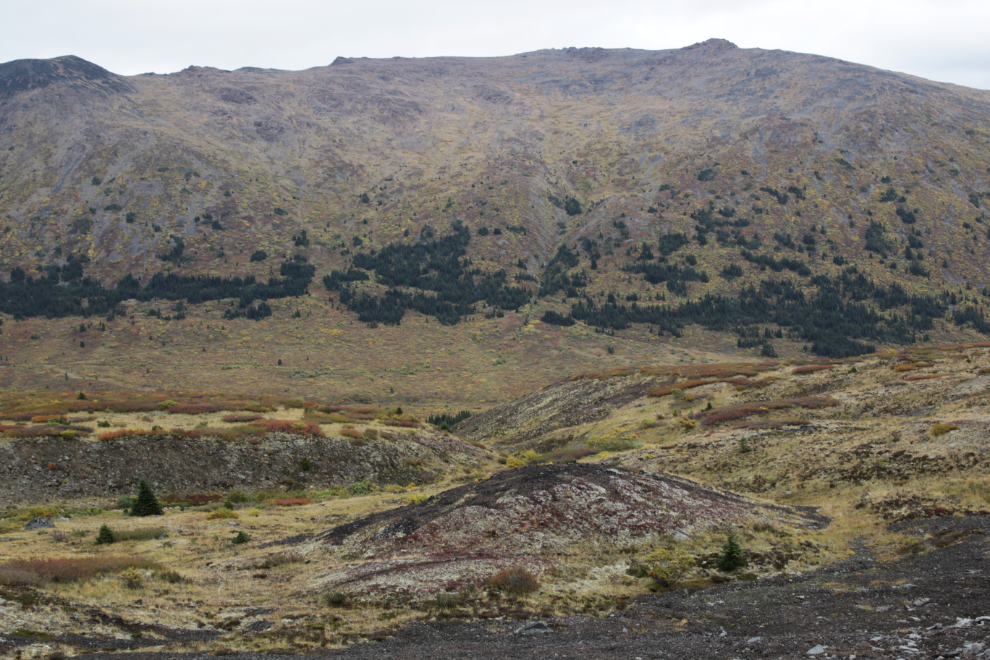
<point x="942" y="40"/>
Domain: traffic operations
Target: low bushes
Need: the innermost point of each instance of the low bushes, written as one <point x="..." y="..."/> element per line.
<point x="240" y="418"/>
<point x="743" y="410"/>
<point x="666" y="567"/>
<point x="143" y="534"/>
<point x="812" y="368"/>
<point x="292" y="501"/>
<point x="942" y="429"/>
<point x="60" y="430"/>
<point x="35" y="571"/>
<point x="913" y="366"/>
<point x="284" y="426"/>
<point x="515" y="580"/>
<point x="222" y="513"/>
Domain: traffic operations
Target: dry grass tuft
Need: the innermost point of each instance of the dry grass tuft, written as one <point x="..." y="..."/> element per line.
<point x="515" y="580"/>
<point x="35" y="571"/>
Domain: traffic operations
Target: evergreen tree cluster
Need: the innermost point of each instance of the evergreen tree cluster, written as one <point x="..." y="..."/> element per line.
<point x="555" y="277"/>
<point x="839" y="319"/>
<point x="60" y="292"/>
<point x="446" y="421"/>
<point x="439" y="267"/>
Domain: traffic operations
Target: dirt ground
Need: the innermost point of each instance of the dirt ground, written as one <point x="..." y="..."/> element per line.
<point x="935" y="603"/>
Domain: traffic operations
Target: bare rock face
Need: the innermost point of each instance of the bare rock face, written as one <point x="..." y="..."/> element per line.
<point x="26" y="75"/>
<point x="532" y="515"/>
<point x="38" y="523"/>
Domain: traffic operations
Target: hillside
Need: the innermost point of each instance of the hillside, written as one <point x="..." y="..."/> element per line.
<point x="856" y="488"/>
<point x="795" y="201"/>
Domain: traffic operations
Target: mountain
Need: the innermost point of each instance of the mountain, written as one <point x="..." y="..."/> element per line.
<point x="796" y="200"/>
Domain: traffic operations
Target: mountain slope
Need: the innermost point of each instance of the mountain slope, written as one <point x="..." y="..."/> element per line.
<point x="666" y="176"/>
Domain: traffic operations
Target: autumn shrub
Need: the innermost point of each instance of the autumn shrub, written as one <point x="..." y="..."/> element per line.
<point x="285" y="426"/>
<point x="614" y="442"/>
<point x="667" y="566"/>
<point x="110" y="436"/>
<point x="351" y="433"/>
<point x="446" y="600"/>
<point x="45" y="430"/>
<point x="240" y="418"/>
<point x="913" y="366"/>
<point x="942" y="429"/>
<point x="516" y="580"/>
<point x="294" y="403"/>
<point x="812" y="368"/>
<point x="38" y="512"/>
<point x="199" y="499"/>
<point x="923" y="377"/>
<point x="142" y="534"/>
<point x="36" y="571"/>
<point x="370" y="434"/>
<point x="194" y="408"/>
<point x="239" y="432"/>
<point x="334" y="599"/>
<point x="222" y="514"/>
<point x="292" y="501"/>
<point x="742" y="410"/>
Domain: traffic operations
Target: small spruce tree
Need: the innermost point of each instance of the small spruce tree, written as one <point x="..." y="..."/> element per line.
<point x="147" y="504"/>
<point x="731" y="556"/>
<point x="105" y="537"/>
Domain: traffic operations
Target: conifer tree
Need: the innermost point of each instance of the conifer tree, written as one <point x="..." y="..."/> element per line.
<point x="732" y="556"/>
<point x="147" y="504"/>
<point x="105" y="536"/>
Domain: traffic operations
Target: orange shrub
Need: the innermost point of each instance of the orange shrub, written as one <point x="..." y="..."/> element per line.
<point x="292" y="501"/>
<point x="924" y="376"/>
<point x="351" y="433"/>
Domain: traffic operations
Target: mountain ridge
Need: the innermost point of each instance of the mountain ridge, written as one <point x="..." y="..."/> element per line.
<point x="579" y="176"/>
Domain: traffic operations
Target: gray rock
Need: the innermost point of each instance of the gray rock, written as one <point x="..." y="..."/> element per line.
<point x="533" y="628"/>
<point x="39" y="523"/>
<point x="816" y="650"/>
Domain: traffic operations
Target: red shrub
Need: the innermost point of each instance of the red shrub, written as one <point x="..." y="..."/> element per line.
<point x="292" y="501"/>
<point x="352" y="433"/>
<point x="739" y="411"/>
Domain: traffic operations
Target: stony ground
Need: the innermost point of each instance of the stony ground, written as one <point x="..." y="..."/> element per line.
<point x="933" y="604"/>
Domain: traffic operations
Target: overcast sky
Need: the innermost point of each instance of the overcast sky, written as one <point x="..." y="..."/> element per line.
<point x="944" y="40"/>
